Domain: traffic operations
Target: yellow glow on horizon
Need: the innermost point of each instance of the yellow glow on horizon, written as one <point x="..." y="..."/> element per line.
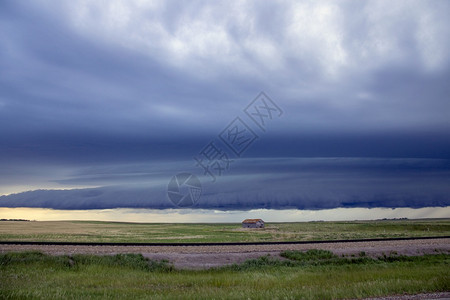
<point x="215" y="216"/>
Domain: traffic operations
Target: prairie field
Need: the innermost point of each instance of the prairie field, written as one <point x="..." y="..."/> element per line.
<point x="289" y="274"/>
<point x="94" y="231"/>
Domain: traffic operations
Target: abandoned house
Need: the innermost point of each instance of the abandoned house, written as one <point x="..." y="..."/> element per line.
<point x="253" y="223"/>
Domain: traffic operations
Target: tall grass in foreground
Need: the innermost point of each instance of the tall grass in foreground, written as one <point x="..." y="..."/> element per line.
<point x="315" y="274"/>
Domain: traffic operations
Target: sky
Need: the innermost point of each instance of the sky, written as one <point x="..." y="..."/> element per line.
<point x="273" y="105"/>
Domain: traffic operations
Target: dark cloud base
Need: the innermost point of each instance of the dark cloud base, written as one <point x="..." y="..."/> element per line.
<point x="274" y="184"/>
<point x="84" y="103"/>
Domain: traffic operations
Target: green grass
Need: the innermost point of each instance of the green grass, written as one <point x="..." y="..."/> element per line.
<point x="82" y="231"/>
<point x="316" y="274"/>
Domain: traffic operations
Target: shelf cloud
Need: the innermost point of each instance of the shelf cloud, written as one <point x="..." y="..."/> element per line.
<point x="261" y="183"/>
<point x="101" y="103"/>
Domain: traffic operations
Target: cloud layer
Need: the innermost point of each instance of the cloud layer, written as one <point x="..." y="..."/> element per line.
<point x="146" y="70"/>
<point x="136" y="89"/>
<point x="261" y="183"/>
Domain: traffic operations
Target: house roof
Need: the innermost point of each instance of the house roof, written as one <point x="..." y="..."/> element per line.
<point x="251" y="221"/>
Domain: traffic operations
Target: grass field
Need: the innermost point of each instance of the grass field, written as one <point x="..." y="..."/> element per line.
<point x="316" y="274"/>
<point x="84" y="231"/>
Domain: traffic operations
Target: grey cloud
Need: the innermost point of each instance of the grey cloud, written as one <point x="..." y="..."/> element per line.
<point x="79" y="79"/>
<point x="131" y="83"/>
<point x="274" y="184"/>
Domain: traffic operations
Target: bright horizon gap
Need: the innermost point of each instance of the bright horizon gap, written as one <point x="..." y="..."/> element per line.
<point x="215" y="216"/>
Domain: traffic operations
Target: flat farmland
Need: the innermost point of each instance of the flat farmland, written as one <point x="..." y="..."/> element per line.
<point x="94" y="231"/>
<point x="408" y="269"/>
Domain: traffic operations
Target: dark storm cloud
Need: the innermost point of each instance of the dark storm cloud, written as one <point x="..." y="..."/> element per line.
<point x="261" y="183"/>
<point x="158" y="71"/>
<point x="57" y="85"/>
<point x="88" y="84"/>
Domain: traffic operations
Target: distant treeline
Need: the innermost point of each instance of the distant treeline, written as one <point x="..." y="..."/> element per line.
<point x="15" y="220"/>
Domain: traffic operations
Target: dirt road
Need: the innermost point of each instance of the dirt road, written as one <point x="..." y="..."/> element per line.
<point x="200" y="257"/>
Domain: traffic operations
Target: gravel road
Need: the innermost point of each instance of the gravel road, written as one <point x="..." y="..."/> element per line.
<point x="201" y="257"/>
<point x="442" y="296"/>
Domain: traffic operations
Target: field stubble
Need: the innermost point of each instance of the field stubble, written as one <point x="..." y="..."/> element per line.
<point x="85" y="231"/>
